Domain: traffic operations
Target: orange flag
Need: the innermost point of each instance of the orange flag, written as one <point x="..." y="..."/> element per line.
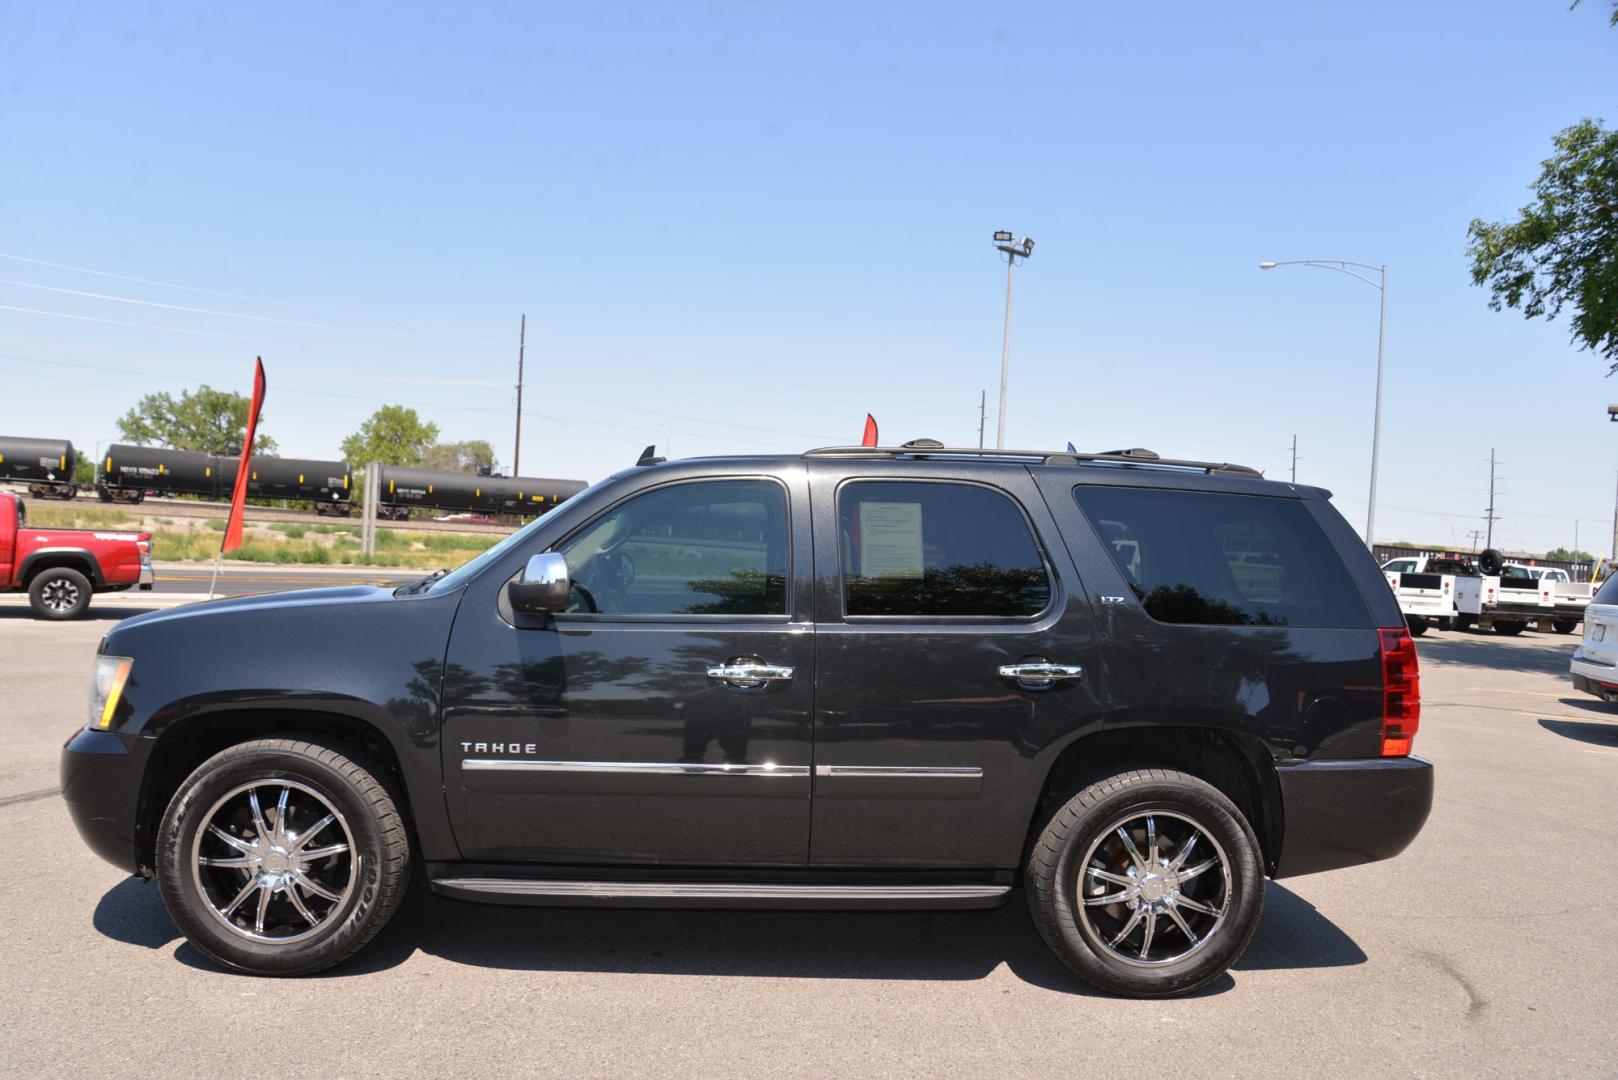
<point x="238" y="498"/>
<point x="869" y="439"/>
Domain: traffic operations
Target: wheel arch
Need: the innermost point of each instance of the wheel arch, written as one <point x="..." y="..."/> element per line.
<point x="1234" y="762"/>
<point x="51" y="558"/>
<point x="185" y="744"/>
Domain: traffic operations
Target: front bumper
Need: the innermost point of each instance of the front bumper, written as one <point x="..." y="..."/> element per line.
<point x="1344" y="813"/>
<point x="101" y="773"/>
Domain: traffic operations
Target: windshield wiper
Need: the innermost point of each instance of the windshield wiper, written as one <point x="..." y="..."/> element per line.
<point x="420" y="584"/>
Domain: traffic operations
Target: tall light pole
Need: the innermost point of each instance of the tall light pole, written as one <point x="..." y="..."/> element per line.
<point x="1381" y="286"/>
<point x="1012" y="251"/>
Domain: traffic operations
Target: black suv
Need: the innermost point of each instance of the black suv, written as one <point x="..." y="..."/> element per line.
<point x="909" y="677"/>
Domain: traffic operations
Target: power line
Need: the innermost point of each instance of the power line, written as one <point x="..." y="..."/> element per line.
<point x="219" y="314"/>
<point x="217" y="292"/>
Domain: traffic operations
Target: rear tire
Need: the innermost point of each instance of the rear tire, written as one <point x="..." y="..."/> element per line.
<point x="1564" y="626"/>
<point x="59" y="593"/>
<point x="1139" y="945"/>
<point x="1417" y="625"/>
<point x="296" y="882"/>
<point x="1510" y="629"/>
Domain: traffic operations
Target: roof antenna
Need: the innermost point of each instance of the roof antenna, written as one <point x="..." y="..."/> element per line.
<point x="649" y="456"/>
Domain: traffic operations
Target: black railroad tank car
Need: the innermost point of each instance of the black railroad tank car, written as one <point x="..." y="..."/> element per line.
<point x="128" y="472"/>
<point x="45" y="465"/>
<point x="298" y="478"/>
<point x="460" y="492"/>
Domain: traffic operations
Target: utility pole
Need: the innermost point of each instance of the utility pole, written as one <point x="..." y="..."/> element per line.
<point x="1476" y="535"/>
<point x="983" y="414"/>
<point x="522" y="344"/>
<point x="1489" y="542"/>
<point x="1294" y="459"/>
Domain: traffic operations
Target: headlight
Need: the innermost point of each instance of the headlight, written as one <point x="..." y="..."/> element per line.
<point x="107" y="680"/>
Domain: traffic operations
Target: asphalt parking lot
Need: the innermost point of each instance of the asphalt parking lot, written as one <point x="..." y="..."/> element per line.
<point x="1489" y="948"/>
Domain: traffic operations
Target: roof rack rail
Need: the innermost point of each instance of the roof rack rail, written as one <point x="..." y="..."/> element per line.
<point x="1135" y="457"/>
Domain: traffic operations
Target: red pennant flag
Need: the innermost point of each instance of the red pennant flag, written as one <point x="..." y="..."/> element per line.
<point x="238" y="498"/>
<point x="869" y="439"/>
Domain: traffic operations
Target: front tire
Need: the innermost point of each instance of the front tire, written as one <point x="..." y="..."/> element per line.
<point x="283" y="856"/>
<point x="59" y="593"/>
<point x="1147" y="883"/>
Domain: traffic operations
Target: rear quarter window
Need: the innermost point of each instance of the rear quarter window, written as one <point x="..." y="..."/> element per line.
<point x="1608" y="593"/>
<point x="1224" y="560"/>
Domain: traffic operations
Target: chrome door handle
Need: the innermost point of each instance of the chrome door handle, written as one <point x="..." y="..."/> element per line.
<point x="748" y="675"/>
<point x="1040" y="675"/>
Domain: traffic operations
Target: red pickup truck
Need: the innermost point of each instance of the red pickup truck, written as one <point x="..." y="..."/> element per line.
<point x="60" y="568"/>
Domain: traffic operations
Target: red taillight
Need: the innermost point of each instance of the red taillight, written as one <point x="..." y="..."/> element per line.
<point x="1401" y="692"/>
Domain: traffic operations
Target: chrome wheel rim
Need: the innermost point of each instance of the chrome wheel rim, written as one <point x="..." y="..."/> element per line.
<point x="59" y="595"/>
<point x="274" y="861"/>
<point x="1153" y="889"/>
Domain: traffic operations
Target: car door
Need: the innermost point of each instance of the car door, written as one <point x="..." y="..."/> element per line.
<point x="930" y="586"/>
<point x="665" y="717"/>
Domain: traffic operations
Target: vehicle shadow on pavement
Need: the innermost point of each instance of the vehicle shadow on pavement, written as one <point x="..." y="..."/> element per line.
<point x="1545" y="653"/>
<point x="1590" y="704"/>
<point x="946" y="946"/>
<point x="1583" y="731"/>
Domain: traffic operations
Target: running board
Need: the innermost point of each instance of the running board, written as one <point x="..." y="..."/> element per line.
<point x="718" y="894"/>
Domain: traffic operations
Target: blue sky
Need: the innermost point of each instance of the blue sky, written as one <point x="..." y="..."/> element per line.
<point x="738" y="227"/>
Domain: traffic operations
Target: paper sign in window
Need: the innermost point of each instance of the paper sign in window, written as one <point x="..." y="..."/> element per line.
<point x="890" y="540"/>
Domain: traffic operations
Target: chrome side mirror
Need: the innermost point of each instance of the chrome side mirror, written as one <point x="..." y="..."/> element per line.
<point x="543" y="586"/>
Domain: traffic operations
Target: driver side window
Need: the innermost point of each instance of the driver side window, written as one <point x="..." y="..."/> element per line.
<point x="716" y="547"/>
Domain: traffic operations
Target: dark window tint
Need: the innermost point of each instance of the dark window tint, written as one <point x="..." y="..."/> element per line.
<point x="1608" y="593"/>
<point x="712" y="548"/>
<point x="937" y="549"/>
<point x="1240" y="560"/>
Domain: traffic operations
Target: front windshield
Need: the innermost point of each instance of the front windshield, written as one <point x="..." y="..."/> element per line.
<point x="464" y="573"/>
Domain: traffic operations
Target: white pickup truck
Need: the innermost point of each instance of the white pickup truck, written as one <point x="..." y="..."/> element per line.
<point x="1449" y="590"/>
<point x="1424" y="585"/>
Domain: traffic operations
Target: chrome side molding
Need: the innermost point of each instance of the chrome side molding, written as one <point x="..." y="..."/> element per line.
<point x="634" y="768"/>
<point x="901" y="772"/>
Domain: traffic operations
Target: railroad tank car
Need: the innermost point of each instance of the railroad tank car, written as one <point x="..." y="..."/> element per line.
<point x="431" y="489"/>
<point x="128" y="472"/>
<point x="45" y="465"/>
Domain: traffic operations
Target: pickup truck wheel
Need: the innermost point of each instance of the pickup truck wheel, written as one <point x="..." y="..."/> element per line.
<point x="1417" y="625"/>
<point x="283" y="856"/>
<point x="1147" y="883"/>
<point x="59" y="593"/>
<point x="1510" y="629"/>
<point x="1564" y="626"/>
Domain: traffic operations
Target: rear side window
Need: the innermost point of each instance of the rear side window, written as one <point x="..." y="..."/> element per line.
<point x="916" y="548"/>
<point x="1608" y="593"/>
<point x="1224" y="560"/>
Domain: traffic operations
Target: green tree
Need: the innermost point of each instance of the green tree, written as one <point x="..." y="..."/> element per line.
<point x="394" y="435"/>
<point x="468" y="456"/>
<point x="84" y="469"/>
<point x="1564" y="247"/>
<point x="209" y="420"/>
<point x="1562" y="554"/>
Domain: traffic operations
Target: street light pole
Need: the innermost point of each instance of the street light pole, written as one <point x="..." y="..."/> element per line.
<point x="1012" y="252"/>
<point x="1381" y="286"/>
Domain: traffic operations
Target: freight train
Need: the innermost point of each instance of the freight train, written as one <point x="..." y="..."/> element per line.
<point x="45" y="465"/>
<point x="128" y="473"/>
